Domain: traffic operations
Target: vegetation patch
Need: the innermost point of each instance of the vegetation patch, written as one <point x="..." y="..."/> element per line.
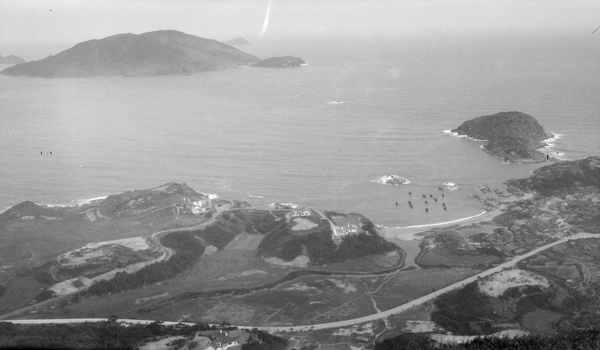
<point x="188" y="250"/>
<point x="319" y="245"/>
<point x="496" y="284"/>
<point x="541" y="321"/>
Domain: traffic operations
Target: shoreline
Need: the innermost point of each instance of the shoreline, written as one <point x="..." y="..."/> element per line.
<point x="73" y="203"/>
<point x="409" y="233"/>
<point x="443" y="223"/>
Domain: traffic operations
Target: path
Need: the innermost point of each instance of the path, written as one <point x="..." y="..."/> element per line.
<point x="345" y="323"/>
<point x="155" y="237"/>
<point x="428" y="297"/>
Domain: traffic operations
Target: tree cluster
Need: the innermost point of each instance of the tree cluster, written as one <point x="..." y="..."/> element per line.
<point x="320" y="247"/>
<point x="460" y="311"/>
<point x="96" y="335"/>
<point x="261" y="340"/>
<point x="579" y="339"/>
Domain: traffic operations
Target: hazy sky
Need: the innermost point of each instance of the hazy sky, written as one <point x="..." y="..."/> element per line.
<point x="36" y="28"/>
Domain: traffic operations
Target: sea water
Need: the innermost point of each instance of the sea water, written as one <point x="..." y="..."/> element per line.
<point x="318" y="136"/>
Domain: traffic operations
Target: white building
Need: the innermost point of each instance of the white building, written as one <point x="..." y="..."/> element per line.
<point x="201" y="206"/>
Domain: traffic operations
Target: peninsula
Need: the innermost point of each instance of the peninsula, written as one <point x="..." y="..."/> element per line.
<point x="281" y="62"/>
<point x="515" y="136"/>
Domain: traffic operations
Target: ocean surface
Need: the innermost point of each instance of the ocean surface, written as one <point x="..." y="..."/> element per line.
<point x="318" y="136"/>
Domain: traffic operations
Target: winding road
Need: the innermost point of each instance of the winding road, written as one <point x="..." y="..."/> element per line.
<point x="155" y="237"/>
<point x="354" y="321"/>
<point x="428" y="297"/>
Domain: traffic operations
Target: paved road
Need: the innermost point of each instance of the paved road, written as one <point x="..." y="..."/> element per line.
<point x="354" y="321"/>
<point x="428" y="297"/>
<point x="155" y="237"/>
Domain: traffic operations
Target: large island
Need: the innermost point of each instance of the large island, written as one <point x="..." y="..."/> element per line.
<point x="154" y="53"/>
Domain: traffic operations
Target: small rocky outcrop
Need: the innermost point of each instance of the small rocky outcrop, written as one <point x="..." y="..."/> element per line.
<point x="515" y="136"/>
<point x="281" y="62"/>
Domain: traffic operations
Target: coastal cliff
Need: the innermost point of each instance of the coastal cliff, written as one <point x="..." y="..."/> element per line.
<point x="154" y="53"/>
<point x="515" y="136"/>
<point x="562" y="177"/>
<point x="281" y="62"/>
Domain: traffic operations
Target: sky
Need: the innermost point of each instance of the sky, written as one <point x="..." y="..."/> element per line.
<point x="34" y="29"/>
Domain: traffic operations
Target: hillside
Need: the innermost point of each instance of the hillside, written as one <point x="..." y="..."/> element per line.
<point x="281" y="62"/>
<point x="562" y="176"/>
<point x="310" y="240"/>
<point x="153" y="53"/>
<point x="12" y="59"/>
<point x="239" y="41"/>
<point x="515" y="136"/>
<point x="50" y="230"/>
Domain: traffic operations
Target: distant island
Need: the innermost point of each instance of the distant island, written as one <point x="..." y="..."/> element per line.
<point x="515" y="136"/>
<point x="239" y="41"/>
<point x="154" y="53"/>
<point x="11" y="59"/>
<point x="281" y="62"/>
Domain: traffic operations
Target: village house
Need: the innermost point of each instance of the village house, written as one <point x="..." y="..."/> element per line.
<point x="201" y="206"/>
<point x="301" y="213"/>
<point x="345" y="229"/>
<point x="222" y="340"/>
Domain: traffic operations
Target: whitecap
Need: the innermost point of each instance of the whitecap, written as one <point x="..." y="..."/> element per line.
<point x="455" y="134"/>
<point x="291" y="205"/>
<point x="548" y="149"/>
<point x="254" y="196"/>
<point x="391" y="180"/>
<point x="73" y="203"/>
<point x="90" y="200"/>
<point x="336" y="102"/>
<point x="451" y="186"/>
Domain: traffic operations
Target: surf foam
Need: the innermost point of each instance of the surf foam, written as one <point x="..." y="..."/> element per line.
<point x="393" y="180"/>
<point x="455" y="134"/>
<point x="550" y="145"/>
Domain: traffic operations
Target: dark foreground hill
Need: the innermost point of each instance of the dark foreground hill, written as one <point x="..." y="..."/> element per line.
<point x="515" y="136"/>
<point x="579" y="339"/>
<point x="12" y="59"/>
<point x="153" y="53"/>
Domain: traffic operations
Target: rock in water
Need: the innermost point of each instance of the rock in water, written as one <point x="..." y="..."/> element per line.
<point x="515" y="136"/>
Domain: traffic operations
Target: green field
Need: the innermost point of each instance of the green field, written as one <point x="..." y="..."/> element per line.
<point x="441" y="256"/>
<point x="409" y="285"/>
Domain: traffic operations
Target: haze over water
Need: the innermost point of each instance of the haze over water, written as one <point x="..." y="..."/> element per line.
<point x="270" y="135"/>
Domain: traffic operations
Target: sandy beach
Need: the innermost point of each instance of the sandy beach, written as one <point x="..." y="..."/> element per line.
<point x="409" y="233"/>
